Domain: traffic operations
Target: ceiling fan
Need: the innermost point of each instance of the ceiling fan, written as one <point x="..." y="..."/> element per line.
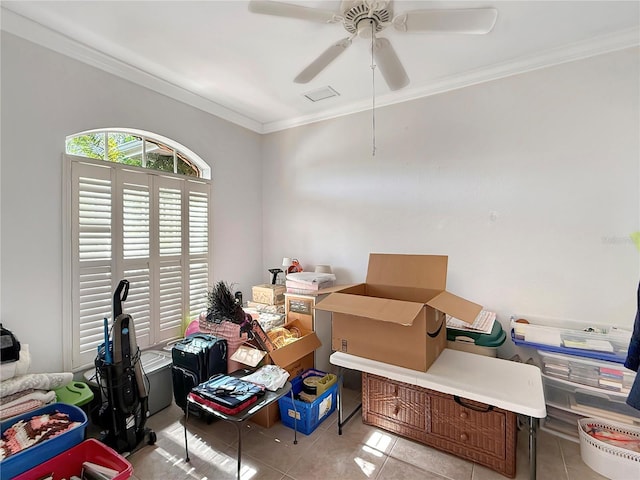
<point x="367" y="18"/>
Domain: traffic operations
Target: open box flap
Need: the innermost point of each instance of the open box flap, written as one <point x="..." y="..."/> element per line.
<point x="455" y="306"/>
<point x="416" y="271"/>
<point x="383" y="309"/>
<point x="335" y="288"/>
<point x="295" y="350"/>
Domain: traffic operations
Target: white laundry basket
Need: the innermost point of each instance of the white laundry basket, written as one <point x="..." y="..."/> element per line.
<point x="608" y="460"/>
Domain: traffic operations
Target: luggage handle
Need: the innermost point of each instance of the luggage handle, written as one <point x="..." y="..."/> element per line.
<point x="459" y="401"/>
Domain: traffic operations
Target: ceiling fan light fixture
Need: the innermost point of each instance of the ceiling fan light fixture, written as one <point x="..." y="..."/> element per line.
<point x="367" y="18"/>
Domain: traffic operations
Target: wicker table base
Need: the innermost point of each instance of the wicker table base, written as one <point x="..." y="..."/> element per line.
<point x="467" y="429"/>
<point x="465" y="404"/>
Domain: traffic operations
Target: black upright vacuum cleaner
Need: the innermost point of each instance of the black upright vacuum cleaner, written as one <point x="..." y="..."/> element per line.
<point x="124" y="392"/>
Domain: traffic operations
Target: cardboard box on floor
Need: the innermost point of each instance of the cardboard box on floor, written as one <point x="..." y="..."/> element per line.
<point x="295" y="358"/>
<point x="398" y="315"/>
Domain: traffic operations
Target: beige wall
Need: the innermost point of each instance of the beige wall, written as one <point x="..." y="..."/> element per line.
<point x="47" y="96"/>
<point x="531" y="185"/>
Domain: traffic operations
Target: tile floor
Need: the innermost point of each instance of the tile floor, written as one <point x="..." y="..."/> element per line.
<point x="361" y="452"/>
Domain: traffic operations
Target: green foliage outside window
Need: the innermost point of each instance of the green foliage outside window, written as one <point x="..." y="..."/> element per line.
<point x="126" y="148"/>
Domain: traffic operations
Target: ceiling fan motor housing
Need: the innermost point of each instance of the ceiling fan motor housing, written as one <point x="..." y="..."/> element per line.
<point x="356" y="11"/>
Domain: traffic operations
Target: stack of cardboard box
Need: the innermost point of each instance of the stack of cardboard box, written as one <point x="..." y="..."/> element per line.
<point x="295" y="357"/>
<point x="267" y="305"/>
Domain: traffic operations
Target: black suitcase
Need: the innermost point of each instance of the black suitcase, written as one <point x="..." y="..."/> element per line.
<point x="195" y="359"/>
<point x="183" y="381"/>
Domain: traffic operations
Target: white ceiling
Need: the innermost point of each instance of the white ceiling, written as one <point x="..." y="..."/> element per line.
<point x="218" y="56"/>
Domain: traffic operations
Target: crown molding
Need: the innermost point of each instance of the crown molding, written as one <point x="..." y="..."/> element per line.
<point x="29" y="30"/>
<point x="37" y="33"/>
<point x="565" y="54"/>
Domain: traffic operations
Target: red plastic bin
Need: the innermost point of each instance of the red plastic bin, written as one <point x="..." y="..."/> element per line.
<point x="70" y="462"/>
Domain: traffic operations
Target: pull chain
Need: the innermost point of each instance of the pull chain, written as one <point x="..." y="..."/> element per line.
<point x="373" y="88"/>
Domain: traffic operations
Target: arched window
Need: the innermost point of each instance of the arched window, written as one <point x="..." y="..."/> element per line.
<point x="137" y="148"/>
<point x="138" y="208"/>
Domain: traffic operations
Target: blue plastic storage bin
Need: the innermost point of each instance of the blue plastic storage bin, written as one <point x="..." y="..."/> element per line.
<point x="309" y="415"/>
<point x="41" y="452"/>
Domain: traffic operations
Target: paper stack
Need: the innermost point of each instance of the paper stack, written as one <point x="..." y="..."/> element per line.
<point x="483" y="323"/>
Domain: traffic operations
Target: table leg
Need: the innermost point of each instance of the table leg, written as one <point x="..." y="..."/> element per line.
<point x="239" y="427"/>
<point x="340" y="377"/>
<point x="533" y="425"/>
<point x="341" y="422"/>
<point x="186" y="446"/>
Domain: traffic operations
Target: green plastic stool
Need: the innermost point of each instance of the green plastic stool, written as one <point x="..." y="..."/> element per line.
<point x="74" y="393"/>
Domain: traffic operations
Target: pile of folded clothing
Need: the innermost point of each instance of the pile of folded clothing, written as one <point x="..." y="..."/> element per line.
<point x="22" y="392"/>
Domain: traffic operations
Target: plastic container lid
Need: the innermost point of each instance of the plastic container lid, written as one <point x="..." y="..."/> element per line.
<point x="493" y="339"/>
<point x="152" y="360"/>
<point x="74" y="393"/>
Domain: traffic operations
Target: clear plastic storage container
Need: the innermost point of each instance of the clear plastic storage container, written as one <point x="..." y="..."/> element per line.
<point x="608" y="376"/>
<point x="600" y="342"/>
<point x="588" y="401"/>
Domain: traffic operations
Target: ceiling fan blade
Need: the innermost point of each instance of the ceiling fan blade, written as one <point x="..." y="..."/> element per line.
<point x="389" y="64"/>
<point x="325" y="58"/>
<point x="293" y="11"/>
<point x="469" y="20"/>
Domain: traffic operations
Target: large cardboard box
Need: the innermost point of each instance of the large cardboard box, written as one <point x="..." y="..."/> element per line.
<point x="295" y="358"/>
<point x="398" y="315"/>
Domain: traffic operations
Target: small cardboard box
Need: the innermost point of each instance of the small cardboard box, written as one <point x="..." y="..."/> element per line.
<point x="295" y="358"/>
<point x="268" y="416"/>
<point x="398" y="315"/>
<point x="268" y="294"/>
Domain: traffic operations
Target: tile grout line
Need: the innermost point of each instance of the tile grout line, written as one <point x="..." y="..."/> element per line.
<point x="564" y="462"/>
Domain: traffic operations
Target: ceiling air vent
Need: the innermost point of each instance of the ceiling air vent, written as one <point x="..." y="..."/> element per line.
<point x="321" y="94"/>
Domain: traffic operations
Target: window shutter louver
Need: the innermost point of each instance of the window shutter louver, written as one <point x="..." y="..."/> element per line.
<point x="135" y="221"/>
<point x="198" y="288"/>
<point x="198" y="223"/>
<point x="138" y="303"/>
<point x="170" y="211"/>
<point x="171" y="302"/>
<point x="94" y="296"/>
<point x="94" y="219"/>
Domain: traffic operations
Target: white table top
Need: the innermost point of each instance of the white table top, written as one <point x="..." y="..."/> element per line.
<point x="512" y="386"/>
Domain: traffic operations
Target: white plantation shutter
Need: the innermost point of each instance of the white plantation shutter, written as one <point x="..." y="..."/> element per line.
<point x="198" y="248"/>
<point x="171" y="245"/>
<point x="148" y="228"/>
<point x="92" y="266"/>
<point x="134" y="261"/>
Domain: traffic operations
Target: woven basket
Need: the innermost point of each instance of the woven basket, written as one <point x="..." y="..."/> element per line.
<point x="608" y="460"/>
<point x="231" y="333"/>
